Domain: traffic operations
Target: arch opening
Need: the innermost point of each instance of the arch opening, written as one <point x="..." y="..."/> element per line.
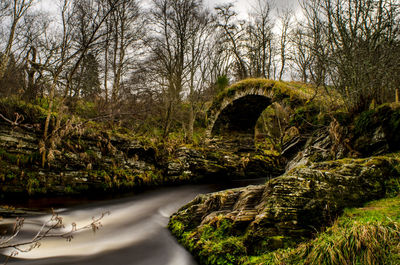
<point x="237" y="121"/>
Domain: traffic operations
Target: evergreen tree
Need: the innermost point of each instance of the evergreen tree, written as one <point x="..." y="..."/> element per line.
<point x="90" y="77"/>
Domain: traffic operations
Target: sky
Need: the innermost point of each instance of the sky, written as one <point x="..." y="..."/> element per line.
<point x="244" y="6"/>
<point x="241" y="6"/>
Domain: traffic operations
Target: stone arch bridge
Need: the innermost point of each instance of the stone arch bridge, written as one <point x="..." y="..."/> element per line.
<point x="233" y="114"/>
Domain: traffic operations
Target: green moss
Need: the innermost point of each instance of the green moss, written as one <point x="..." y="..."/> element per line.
<point x="21" y="160"/>
<point x="11" y="158"/>
<point x="85" y="109"/>
<point x="177" y="227"/>
<point x="308" y="116"/>
<point x="295" y="92"/>
<point x="212" y="242"/>
<point x="32" y="113"/>
<point x="367" y="235"/>
<point x="32" y="185"/>
<point x="126" y="179"/>
<point x="68" y="190"/>
<point x="11" y="176"/>
<point x="365" y="122"/>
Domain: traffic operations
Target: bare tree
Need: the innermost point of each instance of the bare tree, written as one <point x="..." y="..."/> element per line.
<point x="220" y="59"/>
<point x="174" y="27"/>
<point x="232" y="32"/>
<point x="63" y="53"/>
<point x="16" y="10"/>
<point x="199" y="65"/>
<point x="87" y="22"/>
<point x="360" y="39"/>
<point x="106" y="49"/>
<point x="301" y="54"/>
<point x="260" y="37"/>
<point x="32" y="43"/>
<point x="127" y="31"/>
<point x="285" y="18"/>
<point x="316" y="42"/>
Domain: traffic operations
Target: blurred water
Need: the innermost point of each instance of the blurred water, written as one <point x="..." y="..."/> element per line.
<point x="134" y="233"/>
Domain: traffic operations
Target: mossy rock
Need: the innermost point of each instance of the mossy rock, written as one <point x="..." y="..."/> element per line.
<point x="377" y="130"/>
<point x="287" y="211"/>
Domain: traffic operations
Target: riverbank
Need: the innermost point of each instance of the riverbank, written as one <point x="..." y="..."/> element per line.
<point x="302" y="217"/>
<point x="331" y="160"/>
<point x="335" y="160"/>
<point x="90" y="159"/>
<point x="366" y="235"/>
<point x="134" y="231"/>
<point x="265" y="224"/>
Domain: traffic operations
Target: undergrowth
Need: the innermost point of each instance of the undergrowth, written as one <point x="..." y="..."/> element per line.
<point x="362" y="236"/>
<point x="368" y="235"/>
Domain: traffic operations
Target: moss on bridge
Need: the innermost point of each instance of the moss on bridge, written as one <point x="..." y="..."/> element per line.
<point x="294" y="91"/>
<point x="235" y="111"/>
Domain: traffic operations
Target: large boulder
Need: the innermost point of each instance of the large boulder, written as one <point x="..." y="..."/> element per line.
<point x="286" y="210"/>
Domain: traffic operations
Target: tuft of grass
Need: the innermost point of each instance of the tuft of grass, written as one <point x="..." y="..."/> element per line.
<point x="212" y="243"/>
<point x="362" y="236"/>
<point x="368" y="235"/>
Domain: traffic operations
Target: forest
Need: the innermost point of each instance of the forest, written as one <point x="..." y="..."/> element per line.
<point x="154" y="67"/>
<point x="101" y="99"/>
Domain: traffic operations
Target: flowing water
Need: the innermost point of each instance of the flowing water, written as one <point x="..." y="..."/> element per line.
<point x="134" y="233"/>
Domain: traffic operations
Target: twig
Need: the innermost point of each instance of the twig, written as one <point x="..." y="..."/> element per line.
<point x="55" y="222"/>
<point x="16" y="123"/>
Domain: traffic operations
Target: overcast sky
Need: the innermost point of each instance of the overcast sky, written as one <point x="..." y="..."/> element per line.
<point x="244" y="6"/>
<point x="241" y="6"/>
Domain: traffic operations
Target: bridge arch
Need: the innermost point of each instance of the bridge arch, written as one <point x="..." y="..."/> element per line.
<point x="233" y="114"/>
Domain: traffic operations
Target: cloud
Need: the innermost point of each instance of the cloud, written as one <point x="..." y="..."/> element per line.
<point x="243" y="7"/>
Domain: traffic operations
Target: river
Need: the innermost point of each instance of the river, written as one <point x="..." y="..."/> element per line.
<point x="134" y="232"/>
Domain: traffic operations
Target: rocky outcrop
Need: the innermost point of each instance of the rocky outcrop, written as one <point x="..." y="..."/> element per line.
<point x="318" y="147"/>
<point x="219" y="164"/>
<point x="371" y="133"/>
<point x="376" y="131"/>
<point x="86" y="162"/>
<point x="288" y="209"/>
<point x="96" y="161"/>
<point x="16" y="140"/>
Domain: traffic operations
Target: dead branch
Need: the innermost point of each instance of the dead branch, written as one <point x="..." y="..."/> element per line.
<point x="18" y="120"/>
<point x="47" y="230"/>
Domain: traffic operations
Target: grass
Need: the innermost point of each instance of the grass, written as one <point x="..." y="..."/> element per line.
<point x="360" y="236"/>
<point x="367" y="235"/>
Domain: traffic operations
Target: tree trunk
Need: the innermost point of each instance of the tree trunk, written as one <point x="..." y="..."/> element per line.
<point x="31" y="89"/>
<point x="397" y="95"/>
<point x="282" y="68"/>
<point x="167" y="120"/>
<point x="3" y="65"/>
<point x="106" y="71"/>
<point x="269" y="60"/>
<point x="190" y="128"/>
<point x="48" y="117"/>
<point x="6" y="56"/>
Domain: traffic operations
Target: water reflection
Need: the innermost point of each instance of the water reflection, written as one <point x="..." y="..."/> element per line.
<point x="134" y="233"/>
